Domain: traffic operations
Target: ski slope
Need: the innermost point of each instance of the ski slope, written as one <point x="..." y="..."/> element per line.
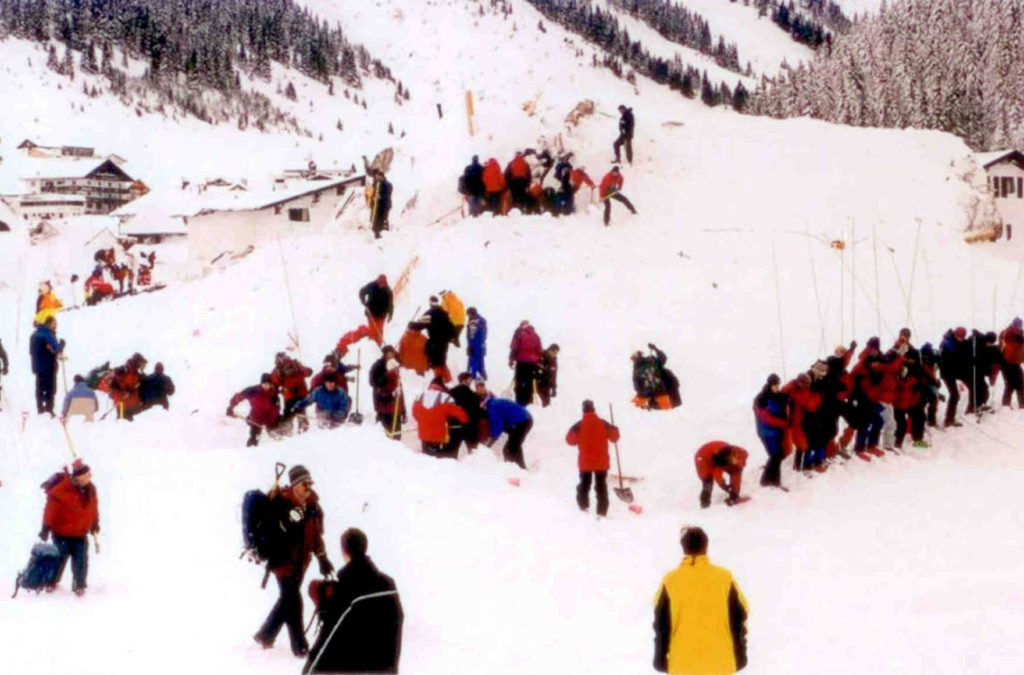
<point x="907" y="564"/>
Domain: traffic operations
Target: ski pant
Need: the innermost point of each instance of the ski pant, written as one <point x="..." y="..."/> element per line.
<point x="77" y="548"/>
<point x="608" y="205"/>
<point x="930" y="403"/>
<point x="458" y="434"/>
<point x="772" y="474"/>
<point x="517" y="187"/>
<point x="869" y="427"/>
<point x="815" y="454"/>
<point x="978" y="396"/>
<point x="600" y="479"/>
<point x="1013" y="382"/>
<point x="476" y="365"/>
<point x="888" y="426"/>
<point x="380" y="221"/>
<point x="476" y="204"/>
<point x="286" y="612"/>
<point x="627" y="140"/>
<point x="46" y="389"/>
<point x="912" y="418"/>
<point x="526" y="373"/>
<point x="513" y="450"/>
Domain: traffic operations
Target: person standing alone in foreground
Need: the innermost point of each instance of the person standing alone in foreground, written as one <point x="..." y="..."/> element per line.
<point x="700" y="615"/>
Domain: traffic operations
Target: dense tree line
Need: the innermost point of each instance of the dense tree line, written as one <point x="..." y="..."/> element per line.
<point x="812" y="22"/>
<point x="603" y="30"/>
<point x="953" y="65"/>
<point x="682" y="26"/>
<point x="205" y="40"/>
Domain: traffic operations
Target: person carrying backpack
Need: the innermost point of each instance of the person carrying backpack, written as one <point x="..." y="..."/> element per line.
<point x="299" y="514"/>
<point x="71" y="514"/>
<point x="361" y="616"/>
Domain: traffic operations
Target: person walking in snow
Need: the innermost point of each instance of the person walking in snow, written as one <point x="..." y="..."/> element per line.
<point x="476" y="343"/>
<point x="770" y="414"/>
<point x="378" y="302"/>
<point x="380" y="208"/>
<point x="433" y="411"/>
<point x="547" y="375"/>
<point x="472" y="186"/>
<point x="264" y="408"/>
<point x="361" y="616"/>
<point x="611" y="186"/>
<point x="332" y="404"/>
<point x="504" y="416"/>
<point x="439" y="333"/>
<point x="714" y="461"/>
<point x="700" y="615"/>
<point x="1011" y="344"/>
<point x="626" y="124"/>
<point x="388" y="401"/>
<point x="303" y="521"/>
<point x="80" y="400"/>
<point x="45" y="350"/>
<point x="524" y="356"/>
<point x="591" y="435"/>
<point x="71" y="514"/>
<point x="955" y="363"/>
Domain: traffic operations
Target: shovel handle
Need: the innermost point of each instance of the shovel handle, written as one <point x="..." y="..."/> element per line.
<point x="618" y="464"/>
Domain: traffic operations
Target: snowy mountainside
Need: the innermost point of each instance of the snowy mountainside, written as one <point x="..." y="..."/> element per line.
<point x="907" y="554"/>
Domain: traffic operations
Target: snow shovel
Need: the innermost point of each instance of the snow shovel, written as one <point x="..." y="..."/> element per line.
<point x="622" y="492"/>
<point x="357" y="417"/>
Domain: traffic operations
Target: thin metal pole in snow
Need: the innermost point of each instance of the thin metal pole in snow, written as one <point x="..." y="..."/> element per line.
<point x="931" y="295"/>
<point x="288" y="290"/>
<point x="778" y="305"/>
<point x="853" y="278"/>
<point x="1013" y="296"/>
<point x="817" y="295"/>
<point x="913" y="271"/>
<point x="878" y="293"/>
<point x="842" y="292"/>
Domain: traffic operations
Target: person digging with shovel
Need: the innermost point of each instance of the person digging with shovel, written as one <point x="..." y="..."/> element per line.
<point x="714" y="460"/>
<point x="591" y="435"/>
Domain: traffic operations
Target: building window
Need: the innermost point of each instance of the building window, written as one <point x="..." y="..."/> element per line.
<point x="298" y="215"/>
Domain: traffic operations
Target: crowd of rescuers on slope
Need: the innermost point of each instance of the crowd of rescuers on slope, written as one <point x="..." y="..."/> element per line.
<point x="486" y="188"/>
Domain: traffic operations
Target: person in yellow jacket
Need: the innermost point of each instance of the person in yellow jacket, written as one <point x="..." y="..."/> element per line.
<point x="47" y="304"/>
<point x="700" y="616"/>
<point x="456" y="312"/>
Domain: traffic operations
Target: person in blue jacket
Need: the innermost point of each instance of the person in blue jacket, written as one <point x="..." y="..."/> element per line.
<point x="508" y="417"/>
<point x="44" y="348"/>
<point x="476" y="343"/>
<point x="770" y="413"/>
<point x="332" y="403"/>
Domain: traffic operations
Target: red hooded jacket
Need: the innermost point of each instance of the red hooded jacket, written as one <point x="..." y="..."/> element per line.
<point x="592" y="434"/>
<point x="494" y="179"/>
<point x="432" y="410"/>
<point x="526" y="346"/>
<point x="70" y="511"/>
<point x="704" y="460"/>
<point x="610" y="183"/>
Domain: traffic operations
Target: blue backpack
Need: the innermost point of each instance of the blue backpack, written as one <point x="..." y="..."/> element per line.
<point x="42" y="569"/>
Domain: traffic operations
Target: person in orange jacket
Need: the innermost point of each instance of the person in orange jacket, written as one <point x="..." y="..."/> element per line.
<point x="432" y="410"/>
<point x="714" y="461"/>
<point x="803" y="402"/>
<point x="591" y="434"/>
<point x="289" y="376"/>
<point x="1011" y="344"/>
<point x="517" y="176"/>
<point x="124" y="387"/>
<point x="494" y="184"/>
<point x="72" y="513"/>
<point x="611" y="185"/>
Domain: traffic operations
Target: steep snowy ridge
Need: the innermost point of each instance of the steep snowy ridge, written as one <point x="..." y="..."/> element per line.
<point x="907" y="564"/>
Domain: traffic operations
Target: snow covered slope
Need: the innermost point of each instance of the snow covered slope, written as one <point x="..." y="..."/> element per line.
<point x="908" y="564"/>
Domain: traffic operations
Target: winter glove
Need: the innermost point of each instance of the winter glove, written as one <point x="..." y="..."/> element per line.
<point x="326" y="568"/>
<point x="650" y="345"/>
<point x="95" y="529"/>
<point x="230" y="412"/>
<point x="511" y="363"/>
<point x="44" y="533"/>
<point x="853" y="345"/>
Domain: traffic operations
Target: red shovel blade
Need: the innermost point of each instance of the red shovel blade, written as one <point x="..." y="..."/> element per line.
<point x="636" y="508"/>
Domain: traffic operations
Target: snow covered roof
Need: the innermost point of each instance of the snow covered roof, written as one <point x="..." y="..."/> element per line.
<point x="66" y="167"/>
<point x="156" y="213"/>
<point x="51" y="198"/>
<point x="254" y="200"/>
<point x="987" y="159"/>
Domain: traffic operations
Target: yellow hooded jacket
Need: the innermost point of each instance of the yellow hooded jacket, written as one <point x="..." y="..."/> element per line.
<point x="699" y="621"/>
<point x="454" y="308"/>
<point x="47" y="305"/>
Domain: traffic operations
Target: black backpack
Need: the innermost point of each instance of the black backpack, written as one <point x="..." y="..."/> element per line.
<point x="42" y="569"/>
<point x="264" y="533"/>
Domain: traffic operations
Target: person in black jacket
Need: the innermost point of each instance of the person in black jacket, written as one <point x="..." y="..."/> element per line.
<point x="626" y="123"/>
<point x="361" y="613"/>
<point x="381" y="207"/>
<point x="468" y="433"/>
<point x="388" y="401"/>
<point x="379" y="304"/>
<point x="440" y="331"/>
<point x="45" y="349"/>
<point x="955" y="365"/>
<point x="155" y="389"/>
<point x="472" y="186"/>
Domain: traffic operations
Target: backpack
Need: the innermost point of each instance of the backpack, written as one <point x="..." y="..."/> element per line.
<point x="42" y="569"/>
<point x="264" y="534"/>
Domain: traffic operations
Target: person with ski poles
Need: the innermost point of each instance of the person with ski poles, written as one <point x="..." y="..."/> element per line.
<point x="700" y="615"/>
<point x="264" y="408"/>
<point x="591" y="435"/>
<point x="304" y="529"/>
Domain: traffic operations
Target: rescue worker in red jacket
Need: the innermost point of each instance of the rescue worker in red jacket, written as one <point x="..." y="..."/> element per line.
<point x="714" y="461"/>
<point x="517" y="176"/>
<point x="264" y="408"/>
<point x="802" y="402"/>
<point x="1011" y="344"/>
<point x="290" y="378"/>
<point x="124" y="387"/>
<point x="524" y="354"/>
<point x="494" y="184"/>
<point x="298" y="510"/>
<point x="71" y="514"/>
<point x="611" y="185"/>
<point x="432" y="410"/>
<point x="592" y="434"/>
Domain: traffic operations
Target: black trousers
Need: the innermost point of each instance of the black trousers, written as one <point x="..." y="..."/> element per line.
<point x="526" y="374"/>
<point x="627" y="140"/>
<point x="286" y="612"/>
<point x="608" y="206"/>
<point x="513" y="450"/>
<point x="76" y="548"/>
<point x="46" y="389"/>
<point x="911" y="419"/>
<point x="1013" y="382"/>
<point x="954" y="398"/>
<point x="600" y="479"/>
